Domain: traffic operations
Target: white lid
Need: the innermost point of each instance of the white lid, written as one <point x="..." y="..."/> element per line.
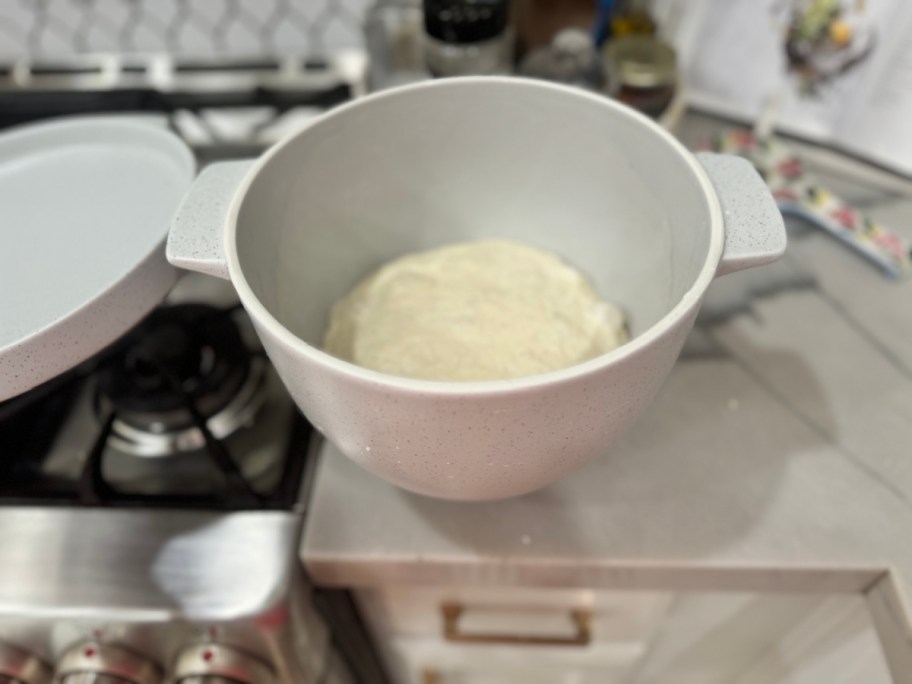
<point x="85" y="205"/>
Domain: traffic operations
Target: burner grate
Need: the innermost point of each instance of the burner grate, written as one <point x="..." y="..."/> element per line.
<point x="177" y="371"/>
<point x="94" y="490"/>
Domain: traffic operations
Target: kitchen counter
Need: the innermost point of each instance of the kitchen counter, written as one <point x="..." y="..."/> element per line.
<point x="777" y="457"/>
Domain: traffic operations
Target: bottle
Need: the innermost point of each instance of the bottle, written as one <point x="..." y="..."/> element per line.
<point x="394" y="35"/>
<point x="633" y="18"/>
<point x="465" y="37"/>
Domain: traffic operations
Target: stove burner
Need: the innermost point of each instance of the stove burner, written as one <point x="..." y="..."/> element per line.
<point x="190" y="383"/>
<point x="183" y="364"/>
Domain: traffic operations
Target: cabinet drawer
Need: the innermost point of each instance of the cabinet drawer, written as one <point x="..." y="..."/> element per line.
<point x="435" y="661"/>
<point x="515" y="613"/>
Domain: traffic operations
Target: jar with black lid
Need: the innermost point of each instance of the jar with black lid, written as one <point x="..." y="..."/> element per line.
<point x="466" y="37"/>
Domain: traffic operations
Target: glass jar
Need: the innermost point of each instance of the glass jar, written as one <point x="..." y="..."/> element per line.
<point x="467" y="37"/>
<point x="394" y="35"/>
<point x="642" y="73"/>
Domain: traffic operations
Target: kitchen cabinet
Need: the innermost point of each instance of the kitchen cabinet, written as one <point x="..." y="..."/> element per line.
<point x="614" y="616"/>
<point x="630" y="637"/>
<point x="481" y="634"/>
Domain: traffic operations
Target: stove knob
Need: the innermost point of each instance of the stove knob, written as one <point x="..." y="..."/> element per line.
<point x="20" y="667"/>
<point x="219" y="664"/>
<point x="96" y="663"/>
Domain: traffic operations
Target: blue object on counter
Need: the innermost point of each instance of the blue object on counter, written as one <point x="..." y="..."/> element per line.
<point x="602" y="29"/>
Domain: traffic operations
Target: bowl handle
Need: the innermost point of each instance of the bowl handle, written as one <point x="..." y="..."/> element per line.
<point x="196" y="240"/>
<point x="754" y="229"/>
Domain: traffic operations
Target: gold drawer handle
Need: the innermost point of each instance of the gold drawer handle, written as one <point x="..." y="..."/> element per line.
<point x="582" y="619"/>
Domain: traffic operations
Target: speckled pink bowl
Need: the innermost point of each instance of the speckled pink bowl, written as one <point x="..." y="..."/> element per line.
<point x="461" y="159"/>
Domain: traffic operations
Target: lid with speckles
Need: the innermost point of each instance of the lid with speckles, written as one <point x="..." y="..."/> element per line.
<point x="85" y="207"/>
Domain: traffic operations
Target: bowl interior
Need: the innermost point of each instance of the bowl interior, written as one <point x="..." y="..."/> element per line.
<point x="468" y="159"/>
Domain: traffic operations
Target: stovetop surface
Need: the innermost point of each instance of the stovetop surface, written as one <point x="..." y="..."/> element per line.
<point x="116" y="432"/>
<point x="185" y="412"/>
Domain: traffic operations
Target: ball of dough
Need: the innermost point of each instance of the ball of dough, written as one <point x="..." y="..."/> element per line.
<point x="485" y="310"/>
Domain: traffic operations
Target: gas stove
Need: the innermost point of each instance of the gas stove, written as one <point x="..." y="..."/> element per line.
<point x="184" y="412"/>
<point x="222" y="108"/>
<point x="151" y="507"/>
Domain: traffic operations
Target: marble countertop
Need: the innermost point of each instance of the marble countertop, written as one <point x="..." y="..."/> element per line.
<point x="778" y="456"/>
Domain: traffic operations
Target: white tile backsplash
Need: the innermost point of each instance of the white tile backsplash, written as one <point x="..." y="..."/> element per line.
<point x="185" y="28"/>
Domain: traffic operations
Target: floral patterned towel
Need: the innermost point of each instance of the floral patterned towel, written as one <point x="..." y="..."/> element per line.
<point x="798" y="193"/>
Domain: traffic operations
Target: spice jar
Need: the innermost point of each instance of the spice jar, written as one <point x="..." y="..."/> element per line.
<point x="466" y="37"/>
<point x="642" y="73"/>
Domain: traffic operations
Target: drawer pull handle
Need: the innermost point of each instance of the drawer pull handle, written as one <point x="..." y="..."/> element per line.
<point x="582" y="620"/>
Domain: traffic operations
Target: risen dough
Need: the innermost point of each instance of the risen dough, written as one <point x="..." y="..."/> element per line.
<point x="484" y="310"/>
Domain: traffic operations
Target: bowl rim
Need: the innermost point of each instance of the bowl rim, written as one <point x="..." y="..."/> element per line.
<point x="672" y="318"/>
